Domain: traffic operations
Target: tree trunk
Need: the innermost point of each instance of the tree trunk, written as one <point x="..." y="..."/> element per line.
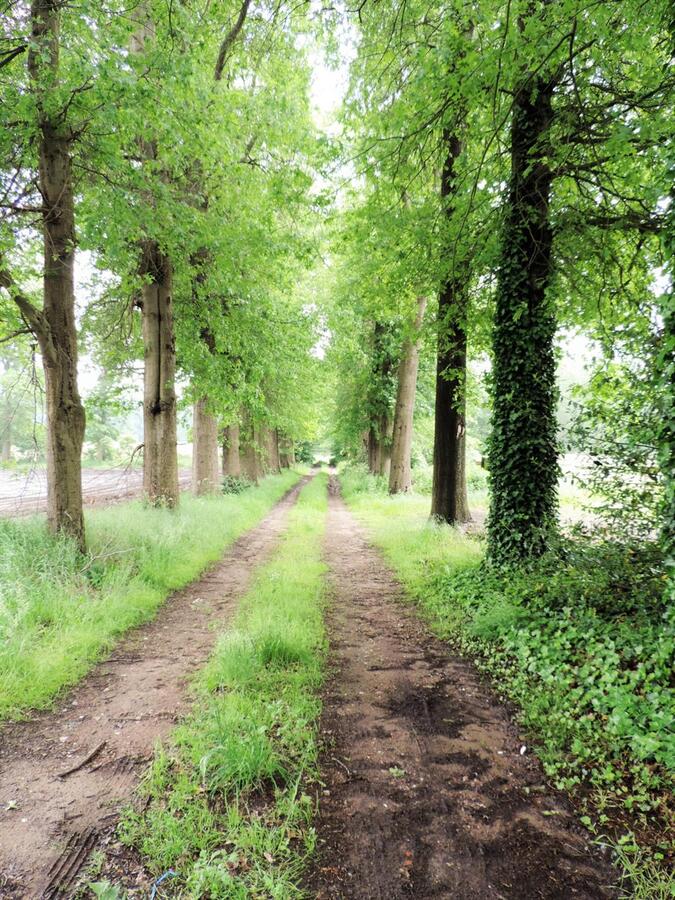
<point x="273" y="443"/>
<point x="449" y="496"/>
<point x="231" y="460"/>
<point x="523" y="446"/>
<point x="286" y="452"/>
<point x="58" y="335"/>
<point x="381" y="424"/>
<point x="6" y="445"/>
<point x="160" y="450"/>
<point x="249" y="452"/>
<point x="205" y="469"/>
<point x="400" y="476"/>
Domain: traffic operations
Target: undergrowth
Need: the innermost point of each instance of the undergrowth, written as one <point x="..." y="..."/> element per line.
<point x="583" y="644"/>
<point x="59" y="610"/>
<point x="224" y="802"/>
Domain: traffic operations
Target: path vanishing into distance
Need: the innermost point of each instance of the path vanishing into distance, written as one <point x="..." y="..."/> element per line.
<point x="113" y="719"/>
<point x="427" y="792"/>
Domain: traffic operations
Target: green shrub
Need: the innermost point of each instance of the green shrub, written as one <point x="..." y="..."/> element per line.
<point x="235" y="484"/>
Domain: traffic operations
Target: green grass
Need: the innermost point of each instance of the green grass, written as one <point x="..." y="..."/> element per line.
<point x="583" y="644"/>
<point x="224" y="802"/>
<point x="60" y="611"/>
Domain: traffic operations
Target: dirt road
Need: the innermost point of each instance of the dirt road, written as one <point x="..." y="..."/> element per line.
<point x="49" y="823"/>
<point x="427" y="792"/>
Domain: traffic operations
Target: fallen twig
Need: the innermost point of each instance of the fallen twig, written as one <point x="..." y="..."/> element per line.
<point x="88" y="758"/>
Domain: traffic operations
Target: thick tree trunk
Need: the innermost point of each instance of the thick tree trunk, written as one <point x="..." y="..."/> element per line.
<point x="449" y="496"/>
<point x="231" y="460"/>
<point x="58" y="335"/>
<point x="205" y="469"/>
<point x="523" y="446"/>
<point x="400" y="476"/>
<point x="160" y="451"/>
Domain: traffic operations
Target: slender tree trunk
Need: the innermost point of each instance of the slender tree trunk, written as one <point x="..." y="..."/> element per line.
<point x="381" y="425"/>
<point x="400" y="476"/>
<point x="523" y="446"/>
<point x="231" y="461"/>
<point x="58" y="335"/>
<point x="160" y="446"/>
<point x="6" y="445"/>
<point x="449" y="496"/>
<point x="205" y="469"/>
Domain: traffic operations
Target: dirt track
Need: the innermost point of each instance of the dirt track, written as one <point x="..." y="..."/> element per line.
<point x="49" y="824"/>
<point x="427" y="793"/>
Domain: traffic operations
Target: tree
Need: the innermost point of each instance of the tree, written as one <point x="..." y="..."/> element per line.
<point x="53" y="324"/>
<point x="400" y="478"/>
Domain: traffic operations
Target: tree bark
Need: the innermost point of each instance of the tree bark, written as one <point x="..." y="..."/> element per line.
<point x="523" y="444"/>
<point x="449" y="496"/>
<point x="400" y="476"/>
<point x="57" y="334"/>
<point x="249" y="449"/>
<point x="160" y="446"/>
<point x="231" y="460"/>
<point x="205" y="469"/>
<point x="381" y="425"/>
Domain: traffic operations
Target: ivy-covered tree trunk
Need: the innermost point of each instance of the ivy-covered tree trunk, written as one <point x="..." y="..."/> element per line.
<point x="56" y="329"/>
<point x="231" y="460"/>
<point x="523" y="448"/>
<point x="400" y="476"/>
<point x="205" y="474"/>
<point x="667" y="374"/>
<point x="160" y="446"/>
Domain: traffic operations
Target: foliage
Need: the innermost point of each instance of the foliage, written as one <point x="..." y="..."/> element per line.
<point x="583" y="643"/>
<point x="59" y="610"/>
<point x="228" y="796"/>
<point x="235" y="484"/>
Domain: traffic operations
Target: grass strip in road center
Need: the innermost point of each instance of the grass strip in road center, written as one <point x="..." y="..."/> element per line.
<point x="60" y="611"/>
<point x="226" y="809"/>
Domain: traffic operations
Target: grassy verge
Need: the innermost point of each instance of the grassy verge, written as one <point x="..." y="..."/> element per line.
<point x="225" y="803"/>
<point x="583" y="644"/>
<point x="60" y="611"/>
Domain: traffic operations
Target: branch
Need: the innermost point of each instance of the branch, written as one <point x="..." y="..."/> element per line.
<point x="230" y="38"/>
<point x="12" y="54"/>
<point x="32" y="316"/>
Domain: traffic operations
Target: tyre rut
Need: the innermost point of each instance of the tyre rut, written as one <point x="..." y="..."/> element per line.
<point x="49" y="823"/>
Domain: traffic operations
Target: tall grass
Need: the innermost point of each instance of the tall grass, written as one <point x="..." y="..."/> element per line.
<point x="60" y="611"/>
<point x="225" y="807"/>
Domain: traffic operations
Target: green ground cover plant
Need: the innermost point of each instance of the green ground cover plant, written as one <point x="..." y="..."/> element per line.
<point x="582" y="642"/>
<point x="225" y="802"/>
<point x="61" y="610"/>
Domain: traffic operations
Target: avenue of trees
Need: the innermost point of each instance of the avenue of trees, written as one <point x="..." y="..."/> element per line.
<point x="174" y="143"/>
<point x="505" y="174"/>
<point x="514" y="172"/>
